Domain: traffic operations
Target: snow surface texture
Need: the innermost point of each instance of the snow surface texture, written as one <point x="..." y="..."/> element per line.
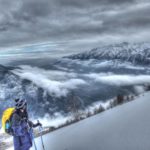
<point x="126" y="127"/>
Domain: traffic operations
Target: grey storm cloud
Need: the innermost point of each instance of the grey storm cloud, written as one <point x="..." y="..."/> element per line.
<point x="88" y="21"/>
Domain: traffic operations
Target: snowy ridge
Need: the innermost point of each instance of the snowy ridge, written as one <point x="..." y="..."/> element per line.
<point x="135" y="53"/>
<point x="126" y="127"/>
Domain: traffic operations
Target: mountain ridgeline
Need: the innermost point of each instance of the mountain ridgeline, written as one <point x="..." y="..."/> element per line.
<point x="135" y="53"/>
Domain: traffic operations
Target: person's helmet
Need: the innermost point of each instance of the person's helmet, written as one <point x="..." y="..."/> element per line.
<point x="20" y="104"/>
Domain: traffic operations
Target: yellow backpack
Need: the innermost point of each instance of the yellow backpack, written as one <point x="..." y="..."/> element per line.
<point x="6" y="120"/>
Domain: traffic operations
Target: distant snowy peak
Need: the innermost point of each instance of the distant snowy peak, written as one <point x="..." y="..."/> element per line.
<point x="135" y="53"/>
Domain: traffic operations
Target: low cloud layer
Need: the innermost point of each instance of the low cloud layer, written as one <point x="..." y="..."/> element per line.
<point x="73" y="24"/>
<point x="121" y="80"/>
<point x="57" y="83"/>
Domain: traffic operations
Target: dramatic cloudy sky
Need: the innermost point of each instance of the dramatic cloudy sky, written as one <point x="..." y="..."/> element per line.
<point x="73" y="24"/>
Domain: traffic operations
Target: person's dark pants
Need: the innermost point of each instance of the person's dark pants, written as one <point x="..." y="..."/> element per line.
<point x="22" y="142"/>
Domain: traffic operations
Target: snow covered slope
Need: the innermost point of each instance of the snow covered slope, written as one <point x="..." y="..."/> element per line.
<point x="126" y="127"/>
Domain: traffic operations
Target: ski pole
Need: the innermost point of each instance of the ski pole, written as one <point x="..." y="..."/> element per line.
<point x="34" y="143"/>
<point x="33" y="140"/>
<point x="41" y="129"/>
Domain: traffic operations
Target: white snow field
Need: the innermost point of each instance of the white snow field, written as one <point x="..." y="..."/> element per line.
<point x="125" y="127"/>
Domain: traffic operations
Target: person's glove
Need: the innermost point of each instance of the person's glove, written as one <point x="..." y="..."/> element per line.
<point x="39" y="124"/>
